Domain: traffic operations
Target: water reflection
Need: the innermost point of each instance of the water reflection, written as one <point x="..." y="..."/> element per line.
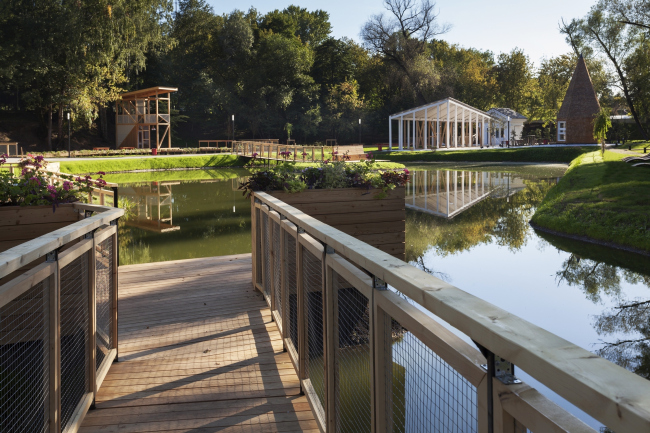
<point x="182" y="219"/>
<point x="152" y="206"/>
<point x="595" y="297"/>
<point x="447" y="193"/>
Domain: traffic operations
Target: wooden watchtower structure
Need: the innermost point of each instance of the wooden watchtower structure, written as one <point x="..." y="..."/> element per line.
<point x="142" y="118"/>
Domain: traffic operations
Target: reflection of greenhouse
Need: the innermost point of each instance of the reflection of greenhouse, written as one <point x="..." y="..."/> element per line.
<point x="447" y="193"/>
<point x="153" y="206"/>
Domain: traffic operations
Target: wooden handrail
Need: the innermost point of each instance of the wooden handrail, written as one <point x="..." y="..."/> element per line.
<point x="609" y="393"/>
<point x="23" y="254"/>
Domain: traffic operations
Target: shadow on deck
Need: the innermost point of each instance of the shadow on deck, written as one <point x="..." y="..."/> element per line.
<point x="197" y="353"/>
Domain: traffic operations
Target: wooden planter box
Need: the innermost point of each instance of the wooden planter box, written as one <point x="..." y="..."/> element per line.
<point x="20" y="224"/>
<point x="378" y="222"/>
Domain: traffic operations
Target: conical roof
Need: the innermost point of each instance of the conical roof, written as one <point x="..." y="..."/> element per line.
<point x="580" y="100"/>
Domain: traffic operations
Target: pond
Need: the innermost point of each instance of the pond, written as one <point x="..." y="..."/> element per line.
<point x="466" y="224"/>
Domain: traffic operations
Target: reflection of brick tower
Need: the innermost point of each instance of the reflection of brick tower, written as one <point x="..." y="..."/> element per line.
<point x="575" y="121"/>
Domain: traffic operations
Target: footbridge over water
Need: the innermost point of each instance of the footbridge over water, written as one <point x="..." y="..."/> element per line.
<point x="313" y="331"/>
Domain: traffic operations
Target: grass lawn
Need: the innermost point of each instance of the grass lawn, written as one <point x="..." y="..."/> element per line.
<point x="176" y="175"/>
<point x="130" y="164"/>
<point x="526" y="154"/>
<point x="601" y="198"/>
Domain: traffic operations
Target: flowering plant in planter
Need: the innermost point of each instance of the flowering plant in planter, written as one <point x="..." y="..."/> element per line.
<point x="34" y="186"/>
<point x="327" y="175"/>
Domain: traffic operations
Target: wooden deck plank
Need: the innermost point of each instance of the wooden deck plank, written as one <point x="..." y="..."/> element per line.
<point x="198" y="352"/>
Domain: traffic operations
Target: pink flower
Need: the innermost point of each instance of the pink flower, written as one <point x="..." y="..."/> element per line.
<point x="101" y="173"/>
<point x="406" y="170"/>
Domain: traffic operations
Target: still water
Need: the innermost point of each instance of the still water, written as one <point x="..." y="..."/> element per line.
<point x="466" y="224"/>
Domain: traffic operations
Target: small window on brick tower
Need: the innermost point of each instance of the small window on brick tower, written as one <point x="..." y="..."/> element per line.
<point x="561" y="131"/>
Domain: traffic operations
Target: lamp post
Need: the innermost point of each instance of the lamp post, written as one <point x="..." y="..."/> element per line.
<point x="359" y="131"/>
<point x="67" y="116"/>
<point x="508" y="140"/>
<point x="233" y="128"/>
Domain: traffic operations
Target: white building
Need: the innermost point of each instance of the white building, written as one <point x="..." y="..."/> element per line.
<point x="446" y="123"/>
<point x="506" y="123"/>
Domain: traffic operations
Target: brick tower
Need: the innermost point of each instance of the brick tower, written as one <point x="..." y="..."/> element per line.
<point x="575" y="120"/>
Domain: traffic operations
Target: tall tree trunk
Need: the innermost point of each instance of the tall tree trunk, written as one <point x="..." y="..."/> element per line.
<point x="59" y="126"/>
<point x="103" y="122"/>
<point x="17" y="98"/>
<point x="623" y="80"/>
<point x="49" y="127"/>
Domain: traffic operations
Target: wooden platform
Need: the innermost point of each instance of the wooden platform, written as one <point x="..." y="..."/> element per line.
<point x="198" y="353"/>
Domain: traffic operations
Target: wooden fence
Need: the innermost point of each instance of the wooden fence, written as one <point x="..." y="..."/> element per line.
<point x="362" y="329"/>
<point x="58" y="322"/>
<point x="282" y="152"/>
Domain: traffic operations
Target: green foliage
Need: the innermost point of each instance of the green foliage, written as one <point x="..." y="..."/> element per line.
<point x="35" y="186"/>
<point x="553" y="154"/>
<point x="602" y="123"/>
<point x="602" y="198"/>
<point x="328" y="175"/>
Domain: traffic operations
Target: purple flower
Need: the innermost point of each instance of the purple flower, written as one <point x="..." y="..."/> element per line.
<point x="51" y="189"/>
<point x="67" y="185"/>
<point x="101" y="173"/>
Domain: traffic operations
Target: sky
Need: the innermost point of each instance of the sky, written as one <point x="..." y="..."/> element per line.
<point x="499" y="26"/>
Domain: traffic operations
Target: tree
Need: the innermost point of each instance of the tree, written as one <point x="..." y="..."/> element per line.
<point x="632" y="12"/>
<point x="312" y="28"/>
<point x="402" y="38"/>
<point x="515" y="81"/>
<point x="77" y="54"/>
<point x="602" y="31"/>
<point x="602" y="123"/>
<point x="343" y="107"/>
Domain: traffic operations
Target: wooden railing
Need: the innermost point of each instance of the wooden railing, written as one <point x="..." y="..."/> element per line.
<point x="282" y="152"/>
<point x="58" y="322"/>
<point x="362" y="331"/>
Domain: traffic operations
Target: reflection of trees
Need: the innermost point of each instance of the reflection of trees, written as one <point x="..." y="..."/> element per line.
<point x="629" y="317"/>
<point x="594" y="278"/>
<point x="597" y="271"/>
<point x="493" y="220"/>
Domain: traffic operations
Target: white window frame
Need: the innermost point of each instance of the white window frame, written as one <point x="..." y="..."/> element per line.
<point x="561" y="131"/>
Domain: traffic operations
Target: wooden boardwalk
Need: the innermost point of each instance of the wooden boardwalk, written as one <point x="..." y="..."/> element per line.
<point x="198" y="353"/>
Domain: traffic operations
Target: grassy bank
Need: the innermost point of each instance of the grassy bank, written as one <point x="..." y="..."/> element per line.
<point x="177" y="175"/>
<point x="131" y="164"/>
<point x="529" y="154"/>
<point x="601" y="198"/>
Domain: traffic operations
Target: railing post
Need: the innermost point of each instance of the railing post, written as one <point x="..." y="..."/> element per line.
<point x="92" y="319"/>
<point x="300" y="290"/>
<point x="498" y="420"/>
<point x="116" y="274"/>
<point x="254" y="251"/>
<point x="284" y="316"/>
<point x="330" y="331"/>
<point x="55" y="343"/>
<point x="382" y="360"/>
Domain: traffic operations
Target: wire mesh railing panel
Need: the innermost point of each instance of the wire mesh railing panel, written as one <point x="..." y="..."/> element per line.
<point x="291" y="291"/>
<point x="24" y="362"/>
<point x="277" y="269"/>
<point x="425" y="393"/>
<point x="312" y="273"/>
<point x="104" y="299"/>
<point x="258" y="247"/>
<point x="74" y="336"/>
<point x="354" y="373"/>
<point x="266" y="232"/>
